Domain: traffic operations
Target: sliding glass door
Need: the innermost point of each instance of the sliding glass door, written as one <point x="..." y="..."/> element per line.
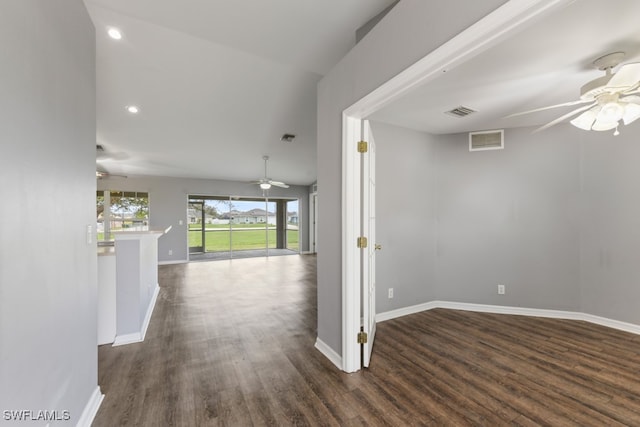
<point x="227" y="227"/>
<point x="253" y="225"/>
<point x="293" y="226"/>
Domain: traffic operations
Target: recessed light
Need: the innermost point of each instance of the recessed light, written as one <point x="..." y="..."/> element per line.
<point x="114" y="33"/>
<point x="133" y="109"/>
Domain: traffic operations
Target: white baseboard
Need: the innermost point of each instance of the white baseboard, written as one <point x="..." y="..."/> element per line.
<point x="179" y="261"/>
<point x="91" y="408"/>
<point x="127" y="339"/>
<point x="329" y="353"/>
<point x="139" y="336"/>
<point x="520" y="311"/>
<point x="147" y="317"/>
<point x="610" y="323"/>
<point x="405" y="311"/>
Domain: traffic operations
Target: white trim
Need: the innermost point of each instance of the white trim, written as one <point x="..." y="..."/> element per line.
<point x="479" y="37"/>
<point x="406" y="311"/>
<point x="518" y="311"/>
<point x="485" y="33"/>
<point x="91" y="408"/>
<point x="329" y="353"/>
<point x="127" y="339"/>
<point x="179" y="261"/>
<point x="147" y="317"/>
<point x="313" y="221"/>
<point x="139" y="336"/>
<point x="350" y="252"/>
<point x="611" y="323"/>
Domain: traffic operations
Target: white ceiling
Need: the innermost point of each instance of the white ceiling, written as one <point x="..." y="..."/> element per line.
<point x="544" y="64"/>
<point x="218" y="83"/>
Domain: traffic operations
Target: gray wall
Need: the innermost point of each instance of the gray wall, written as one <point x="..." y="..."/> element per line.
<point x="554" y="217"/>
<point x="509" y="217"/>
<point x="48" y="284"/>
<point x="405" y="216"/>
<point x="168" y="205"/>
<point x="610" y="240"/>
<point x="406" y="34"/>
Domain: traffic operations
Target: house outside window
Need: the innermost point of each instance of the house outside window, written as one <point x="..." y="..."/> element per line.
<point x="121" y="211"/>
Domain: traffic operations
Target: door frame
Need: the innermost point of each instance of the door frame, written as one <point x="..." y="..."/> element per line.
<point x="501" y="23"/>
<point x="313" y="221"/>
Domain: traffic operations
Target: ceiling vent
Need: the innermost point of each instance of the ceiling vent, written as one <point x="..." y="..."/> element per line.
<point x="460" y="111"/>
<point x="486" y="140"/>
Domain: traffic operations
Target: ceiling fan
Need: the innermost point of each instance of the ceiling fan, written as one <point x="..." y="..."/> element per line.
<point x="101" y="156"/>
<point x="101" y="173"/>
<point x="610" y="98"/>
<point x="266" y="183"/>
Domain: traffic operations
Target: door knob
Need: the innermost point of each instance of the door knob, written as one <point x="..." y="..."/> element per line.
<point x="377" y="247"/>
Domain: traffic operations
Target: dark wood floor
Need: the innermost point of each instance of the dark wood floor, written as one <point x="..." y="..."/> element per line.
<point x="231" y="343"/>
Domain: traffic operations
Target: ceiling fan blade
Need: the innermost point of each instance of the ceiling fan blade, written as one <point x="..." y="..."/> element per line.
<point x="565" y="104"/>
<point x="627" y="76"/>
<point x="586" y="120"/>
<point x="631" y="113"/>
<point x="566" y="116"/>
<point x="279" y="184"/>
<point x="631" y="98"/>
<point x="103" y="175"/>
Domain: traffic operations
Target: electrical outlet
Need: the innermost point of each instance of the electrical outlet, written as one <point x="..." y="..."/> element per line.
<point x="501" y="290"/>
<point x="390" y="292"/>
<point x="170" y="251"/>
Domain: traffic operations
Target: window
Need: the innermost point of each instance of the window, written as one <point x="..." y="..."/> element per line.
<point x="121" y="211"/>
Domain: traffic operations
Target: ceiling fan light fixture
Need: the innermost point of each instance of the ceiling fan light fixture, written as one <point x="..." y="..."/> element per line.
<point x="265" y="185"/>
<point x="631" y="113"/>
<point x="600" y="125"/>
<point x="585" y="120"/>
<point x="611" y="112"/>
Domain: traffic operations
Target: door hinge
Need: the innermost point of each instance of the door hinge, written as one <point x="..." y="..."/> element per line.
<point x="363" y="147"/>
<point x="362" y="337"/>
<point x="362" y="242"/>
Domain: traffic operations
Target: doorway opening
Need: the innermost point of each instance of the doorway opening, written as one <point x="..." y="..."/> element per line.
<point x="226" y="227"/>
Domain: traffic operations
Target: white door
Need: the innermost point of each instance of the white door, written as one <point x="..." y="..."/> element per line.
<point x="369" y="253"/>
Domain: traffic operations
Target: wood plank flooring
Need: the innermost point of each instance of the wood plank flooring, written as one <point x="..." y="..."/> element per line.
<point x="231" y="343"/>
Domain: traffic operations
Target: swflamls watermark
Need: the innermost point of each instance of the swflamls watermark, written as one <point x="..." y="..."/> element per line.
<point x="39" y="415"/>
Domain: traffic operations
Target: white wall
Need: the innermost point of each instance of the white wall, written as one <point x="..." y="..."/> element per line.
<point x="412" y="29"/>
<point x="168" y="205"/>
<point x="48" y="284"/>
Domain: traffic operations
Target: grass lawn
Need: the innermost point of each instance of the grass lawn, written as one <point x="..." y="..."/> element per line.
<point x="219" y="226"/>
<point x="218" y="241"/>
<point x="217" y="237"/>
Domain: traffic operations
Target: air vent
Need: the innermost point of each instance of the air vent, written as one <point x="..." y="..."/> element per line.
<point x="486" y="140"/>
<point x="461" y="111"/>
<point x="287" y="137"/>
